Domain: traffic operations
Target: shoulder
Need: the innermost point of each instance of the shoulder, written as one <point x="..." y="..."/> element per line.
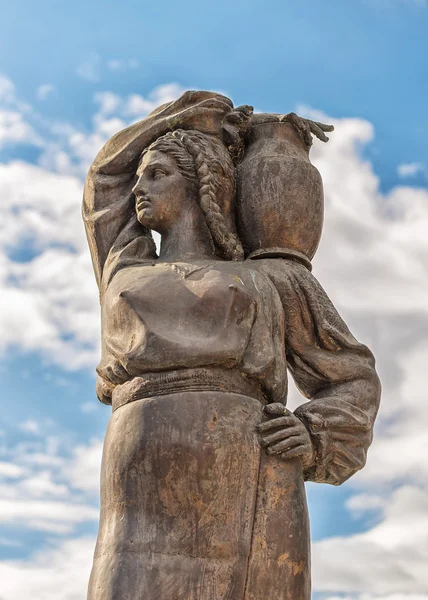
<point x="287" y="275"/>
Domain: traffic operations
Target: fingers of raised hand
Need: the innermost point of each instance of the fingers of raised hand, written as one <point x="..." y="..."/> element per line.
<point x="324" y="126"/>
<point x="318" y="131"/>
<point x="306" y="127"/>
<point x="303" y="126"/>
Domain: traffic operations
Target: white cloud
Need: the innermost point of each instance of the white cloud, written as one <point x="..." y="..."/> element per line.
<point x="108" y="102"/>
<point x="42" y="485"/>
<point x="50" y="485"/>
<point x="89" y="69"/>
<point x="7" y="90"/>
<point x="84" y="470"/>
<point x="363" y="503"/>
<point x="389" y="558"/>
<point x="60" y="572"/>
<point x="10" y="470"/>
<point x="55" y="517"/>
<point x="30" y="426"/>
<point x="137" y="105"/>
<point x="88" y="407"/>
<point x="15" y="130"/>
<point x="410" y="169"/>
<point x="4" y="541"/>
<point x="15" y="127"/>
<point x="45" y="90"/>
<point x="50" y="302"/>
<point x="39" y="206"/>
<point x="116" y="64"/>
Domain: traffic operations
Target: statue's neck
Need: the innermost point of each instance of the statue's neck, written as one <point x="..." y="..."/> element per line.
<point x="189" y="238"/>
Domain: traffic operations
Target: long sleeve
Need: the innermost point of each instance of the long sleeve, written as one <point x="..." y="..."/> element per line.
<point x="332" y="369"/>
<point x="114" y="234"/>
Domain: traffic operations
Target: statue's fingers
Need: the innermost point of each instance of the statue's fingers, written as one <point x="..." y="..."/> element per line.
<point x="246" y="109"/>
<point x="111" y="376"/>
<point x="275" y="409"/>
<point x="283" y="434"/>
<point x="120" y="373"/>
<point x="240" y="114"/>
<point x="275" y="423"/>
<point x="305" y="129"/>
<point x="318" y="132"/>
<point x="287" y="444"/>
<point x="302" y="126"/>
<point x="119" y="370"/>
<point x="324" y="126"/>
<point x="293" y="452"/>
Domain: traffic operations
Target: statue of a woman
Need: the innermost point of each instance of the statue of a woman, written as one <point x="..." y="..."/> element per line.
<point x="202" y="485"/>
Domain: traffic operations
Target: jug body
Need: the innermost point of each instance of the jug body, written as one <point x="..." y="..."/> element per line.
<point x="280" y="200"/>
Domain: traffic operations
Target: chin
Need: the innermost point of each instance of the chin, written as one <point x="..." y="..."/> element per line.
<point x="146" y="219"/>
<point x="153" y="225"/>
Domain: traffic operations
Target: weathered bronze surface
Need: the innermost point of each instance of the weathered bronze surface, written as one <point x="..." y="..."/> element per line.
<point x="202" y="485"/>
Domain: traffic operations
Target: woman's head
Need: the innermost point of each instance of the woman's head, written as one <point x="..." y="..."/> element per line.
<point x="185" y="167"/>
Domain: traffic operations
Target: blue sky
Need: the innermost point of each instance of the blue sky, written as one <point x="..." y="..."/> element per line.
<point x="71" y="74"/>
<point x="365" y="57"/>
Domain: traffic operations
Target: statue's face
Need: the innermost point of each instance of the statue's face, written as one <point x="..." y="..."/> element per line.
<point x="162" y="193"/>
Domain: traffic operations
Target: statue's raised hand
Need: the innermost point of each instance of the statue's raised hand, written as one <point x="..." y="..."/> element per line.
<point x="307" y="128"/>
<point x="285" y="435"/>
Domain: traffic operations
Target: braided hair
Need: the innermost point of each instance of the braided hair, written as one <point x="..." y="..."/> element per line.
<point x="204" y="161"/>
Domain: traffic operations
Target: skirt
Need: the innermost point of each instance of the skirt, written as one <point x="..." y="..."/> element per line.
<point x="192" y="508"/>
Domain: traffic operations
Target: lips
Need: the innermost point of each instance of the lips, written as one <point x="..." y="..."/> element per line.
<point x="143" y="202"/>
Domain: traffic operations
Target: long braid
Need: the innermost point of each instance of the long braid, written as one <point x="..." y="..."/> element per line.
<point x="225" y="240"/>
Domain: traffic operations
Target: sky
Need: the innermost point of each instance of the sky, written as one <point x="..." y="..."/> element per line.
<point x="71" y="75"/>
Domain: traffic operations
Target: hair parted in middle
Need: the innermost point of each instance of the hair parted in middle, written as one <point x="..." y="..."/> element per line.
<point x="206" y="162"/>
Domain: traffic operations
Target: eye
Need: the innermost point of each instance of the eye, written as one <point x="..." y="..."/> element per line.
<point x="158" y="173"/>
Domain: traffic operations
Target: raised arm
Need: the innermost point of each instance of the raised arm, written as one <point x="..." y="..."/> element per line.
<point x="332" y="369"/>
<point x="115" y="236"/>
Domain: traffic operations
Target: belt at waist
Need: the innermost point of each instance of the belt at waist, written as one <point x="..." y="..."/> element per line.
<point x="186" y="380"/>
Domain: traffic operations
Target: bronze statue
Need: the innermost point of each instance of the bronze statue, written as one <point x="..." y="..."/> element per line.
<point x="202" y="485"/>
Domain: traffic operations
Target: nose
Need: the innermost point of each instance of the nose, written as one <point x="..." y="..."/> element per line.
<point x="139" y="188"/>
